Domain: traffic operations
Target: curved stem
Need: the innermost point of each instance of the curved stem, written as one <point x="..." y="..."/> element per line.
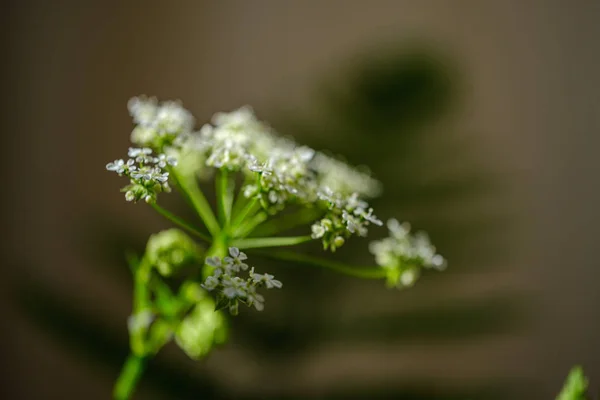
<point x="365" y="272"/>
<point x="253" y="243"/>
<point x="129" y="377"/>
<point x="190" y="188"/>
<point x="180" y="222"/>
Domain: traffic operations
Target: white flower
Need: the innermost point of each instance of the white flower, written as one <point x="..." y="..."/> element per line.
<point x="172" y="119"/>
<point x="268" y="280"/>
<point x="342" y="178"/>
<point x="118" y="166"/>
<point x="141" y="155"/>
<point x="354" y="224"/>
<point x="240" y="117"/>
<point x="142" y="109"/>
<point x="236" y="259"/>
<point x="318" y="230"/>
<point x="409" y="277"/>
<point x="233" y="286"/>
<point x="163" y="160"/>
<point x="367" y="215"/>
<point x="256" y="300"/>
<point x="213" y="262"/>
<point x="211" y="283"/>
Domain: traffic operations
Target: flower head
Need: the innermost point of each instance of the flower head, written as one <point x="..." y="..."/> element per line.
<point x="231" y="287"/>
<point x="236" y="260"/>
<point x="158" y="125"/>
<point x="145" y="172"/>
<point x="404" y="254"/>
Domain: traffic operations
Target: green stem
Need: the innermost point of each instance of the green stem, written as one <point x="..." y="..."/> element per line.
<point x="141" y="298"/>
<point x="248" y="209"/>
<point x="289" y="221"/>
<point x="224" y="190"/>
<point x="367" y="272"/>
<point x="180" y="222"/>
<point x="190" y="188"/>
<point x="217" y="249"/>
<point x="245" y="229"/>
<point x="253" y="243"/>
<point x="130" y="375"/>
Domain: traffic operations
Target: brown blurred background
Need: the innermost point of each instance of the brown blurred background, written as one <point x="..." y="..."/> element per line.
<point x="480" y="118"/>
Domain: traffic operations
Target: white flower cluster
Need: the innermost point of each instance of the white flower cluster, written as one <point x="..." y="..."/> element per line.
<point x="278" y="171"/>
<point x="158" y="124"/>
<point x="404" y="254"/>
<point x="146" y="174"/>
<point x="347" y="215"/>
<point x="286" y="173"/>
<point x="233" y="289"/>
<point x="342" y="178"/>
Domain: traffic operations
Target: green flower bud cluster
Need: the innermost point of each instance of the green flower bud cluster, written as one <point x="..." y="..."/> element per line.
<point x="160" y="315"/>
<point x="202" y="328"/>
<point x="171" y="249"/>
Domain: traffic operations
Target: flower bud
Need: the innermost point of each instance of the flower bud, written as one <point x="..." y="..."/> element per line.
<point x="171" y="249"/>
<point x="201" y="329"/>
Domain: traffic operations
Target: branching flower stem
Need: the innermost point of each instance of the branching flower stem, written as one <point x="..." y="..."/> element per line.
<point x="284" y="186"/>
<point x="364" y="272"/>
<point x="246" y="227"/>
<point x="289" y="221"/>
<point x="249" y="208"/>
<point x="192" y="191"/>
<point x="254" y="243"/>
<point x="181" y="223"/>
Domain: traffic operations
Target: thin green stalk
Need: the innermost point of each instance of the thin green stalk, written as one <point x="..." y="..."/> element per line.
<point x="141" y="298"/>
<point x="289" y="221"/>
<point x="250" y="208"/>
<point x="247" y="227"/>
<point x="224" y="190"/>
<point x="190" y="188"/>
<point x="180" y="222"/>
<point x="365" y="272"/>
<point x="240" y="199"/>
<point x="130" y="374"/>
<point x="254" y="243"/>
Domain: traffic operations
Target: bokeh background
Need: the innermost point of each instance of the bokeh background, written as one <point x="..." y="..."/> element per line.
<point x="480" y="118"/>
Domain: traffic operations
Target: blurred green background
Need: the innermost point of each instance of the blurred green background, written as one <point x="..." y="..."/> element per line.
<point x="480" y="119"/>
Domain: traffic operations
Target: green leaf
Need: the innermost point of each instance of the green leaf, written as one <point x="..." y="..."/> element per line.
<point x="575" y="386"/>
